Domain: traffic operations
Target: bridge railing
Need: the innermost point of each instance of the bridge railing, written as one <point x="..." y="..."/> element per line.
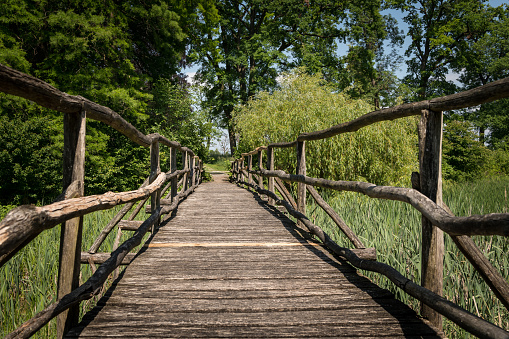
<point x="425" y="196"/>
<point x="21" y="225"/>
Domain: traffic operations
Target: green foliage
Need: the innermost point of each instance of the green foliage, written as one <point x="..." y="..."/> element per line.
<point x="251" y="44"/>
<point x="117" y="54"/>
<point x="30" y="163"/>
<point x="464" y="156"/>
<point x="437" y="30"/>
<point x="382" y="153"/>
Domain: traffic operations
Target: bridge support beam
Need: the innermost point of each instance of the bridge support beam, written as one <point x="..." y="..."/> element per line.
<point x="430" y="167"/>
<point x="185" y="165"/>
<point x="71" y="230"/>
<point x="249" y="169"/>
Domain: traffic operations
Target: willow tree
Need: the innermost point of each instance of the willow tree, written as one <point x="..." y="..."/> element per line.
<point x="384" y="153"/>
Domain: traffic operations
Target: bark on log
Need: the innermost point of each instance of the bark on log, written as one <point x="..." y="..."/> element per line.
<point x="270" y="167"/>
<point x="335" y="217"/>
<point x="259" y="149"/>
<point x="487" y="224"/>
<point x="280" y="186"/>
<point x="493" y="91"/>
<point x="71" y="230"/>
<point x="466" y="245"/>
<point x="129" y="225"/>
<point x="301" y="170"/>
<point x="86" y="291"/>
<point x="432" y="240"/>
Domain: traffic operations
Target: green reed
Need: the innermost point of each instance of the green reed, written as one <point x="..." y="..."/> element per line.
<point x="28" y="281"/>
<point x="393" y="228"/>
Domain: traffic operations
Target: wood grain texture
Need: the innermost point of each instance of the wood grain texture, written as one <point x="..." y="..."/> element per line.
<point x="229" y="265"/>
<point x="432" y="240"/>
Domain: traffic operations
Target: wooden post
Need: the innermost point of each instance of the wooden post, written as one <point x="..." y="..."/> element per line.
<point x="185" y="165"/>
<point x="193" y="164"/>
<point x="155" y="169"/>
<point x="249" y="169"/>
<point x="430" y="165"/>
<point x="301" y="170"/>
<point x="71" y="230"/>
<point x="242" y="178"/>
<point x="173" y="165"/>
<point x="260" y="166"/>
<point x="270" y="167"/>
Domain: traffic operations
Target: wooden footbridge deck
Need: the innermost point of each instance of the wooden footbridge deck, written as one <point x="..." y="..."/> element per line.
<point x="228" y="265"/>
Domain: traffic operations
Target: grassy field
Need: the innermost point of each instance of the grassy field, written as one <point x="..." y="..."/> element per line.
<point x="393" y="228"/>
<point x="222" y="165"/>
<point x="29" y="279"/>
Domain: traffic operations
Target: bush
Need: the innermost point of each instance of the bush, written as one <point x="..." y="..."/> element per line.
<point x="383" y="153"/>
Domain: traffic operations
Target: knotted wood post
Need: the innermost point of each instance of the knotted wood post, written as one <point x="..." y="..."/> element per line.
<point x="249" y="169"/>
<point x="155" y="169"/>
<point x="430" y="166"/>
<point x="185" y="165"/>
<point x="301" y="170"/>
<point x="270" y="167"/>
<point x="260" y="166"/>
<point x="173" y="168"/>
<point x="71" y="231"/>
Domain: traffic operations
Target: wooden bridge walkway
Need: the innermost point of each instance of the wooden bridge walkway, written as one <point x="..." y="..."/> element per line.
<point x="227" y="265"/>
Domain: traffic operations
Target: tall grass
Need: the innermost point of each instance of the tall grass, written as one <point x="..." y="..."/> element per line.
<point x="393" y="228"/>
<point x="28" y="281"/>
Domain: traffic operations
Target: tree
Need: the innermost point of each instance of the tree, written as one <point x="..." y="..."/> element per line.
<point x="370" y="71"/>
<point x="110" y="52"/>
<point x="254" y="40"/>
<point x="483" y="58"/>
<point x="383" y="153"/>
<point x="437" y="30"/>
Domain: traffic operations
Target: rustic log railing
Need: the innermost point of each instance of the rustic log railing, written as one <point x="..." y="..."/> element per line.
<point x="425" y="196"/>
<point x="24" y="223"/>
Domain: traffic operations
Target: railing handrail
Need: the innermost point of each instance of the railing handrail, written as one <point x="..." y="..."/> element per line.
<point x="26" y="86"/>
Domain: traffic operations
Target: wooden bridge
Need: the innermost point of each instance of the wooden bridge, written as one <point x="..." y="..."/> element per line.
<point x="223" y="262"/>
<point x="230" y="265"/>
